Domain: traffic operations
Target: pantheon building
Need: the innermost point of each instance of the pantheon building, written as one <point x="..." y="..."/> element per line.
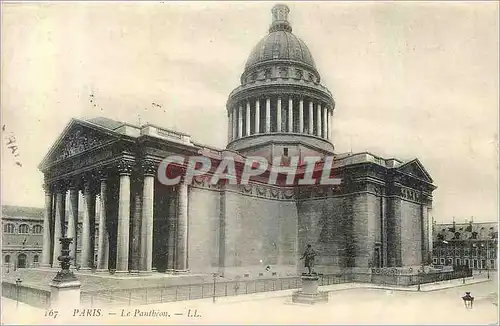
<point x="380" y="216"/>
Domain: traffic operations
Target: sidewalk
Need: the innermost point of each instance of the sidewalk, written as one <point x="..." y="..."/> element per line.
<point x="261" y="306"/>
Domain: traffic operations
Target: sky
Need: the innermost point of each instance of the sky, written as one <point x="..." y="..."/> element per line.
<point x="410" y="79"/>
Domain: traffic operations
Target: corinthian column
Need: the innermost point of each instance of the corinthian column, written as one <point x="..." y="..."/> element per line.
<point x="301" y="115"/>
<point x="147" y="216"/>
<point x="137" y="238"/>
<point x="325" y="122"/>
<point x="122" y="239"/>
<point x="247" y="120"/>
<point x="74" y="192"/>
<point x="330" y="125"/>
<point x="182" y="228"/>
<point x="103" y="246"/>
<point x="59" y="219"/>
<point x="230" y="126"/>
<point x="311" y="118"/>
<point x="278" y="115"/>
<point x="257" y="116"/>
<point x="47" y="213"/>
<point x="290" y="114"/>
<point x="87" y="251"/>
<point x="318" y="120"/>
<point x="268" y="115"/>
<point x="240" y="121"/>
<point x="234" y="117"/>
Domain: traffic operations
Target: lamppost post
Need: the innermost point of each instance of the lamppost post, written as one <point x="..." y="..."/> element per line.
<point x="18" y="284"/>
<point x="215" y="278"/>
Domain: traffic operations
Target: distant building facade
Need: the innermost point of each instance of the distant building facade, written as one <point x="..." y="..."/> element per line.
<point x="22" y="236"/>
<point x="470" y="243"/>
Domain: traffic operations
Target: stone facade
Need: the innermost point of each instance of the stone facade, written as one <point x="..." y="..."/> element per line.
<point x="377" y="217"/>
<point x="468" y="243"/>
<point x="22" y="237"/>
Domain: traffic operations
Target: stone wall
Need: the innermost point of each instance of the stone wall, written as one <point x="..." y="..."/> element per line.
<point x="203" y="234"/>
<point x="258" y="232"/>
<point x="411" y="233"/>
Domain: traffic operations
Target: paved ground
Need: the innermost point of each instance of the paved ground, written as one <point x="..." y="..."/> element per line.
<point x="348" y="304"/>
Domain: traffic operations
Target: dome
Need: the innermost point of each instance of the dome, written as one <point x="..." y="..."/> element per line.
<point x="280" y="45"/>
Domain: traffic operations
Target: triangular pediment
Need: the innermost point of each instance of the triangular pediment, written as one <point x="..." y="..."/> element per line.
<point x="415" y="169"/>
<point x="78" y="137"/>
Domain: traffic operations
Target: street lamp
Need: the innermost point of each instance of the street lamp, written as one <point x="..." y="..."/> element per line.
<point x="18" y="284"/>
<point x="215" y="275"/>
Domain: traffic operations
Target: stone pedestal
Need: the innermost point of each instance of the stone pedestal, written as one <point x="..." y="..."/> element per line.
<point x="309" y="293"/>
<point x="65" y="288"/>
<point x="65" y="295"/>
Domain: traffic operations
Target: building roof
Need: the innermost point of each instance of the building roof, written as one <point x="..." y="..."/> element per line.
<point x="22" y="211"/>
<point x="280" y="43"/>
<point x="465" y="231"/>
<point x="105" y="122"/>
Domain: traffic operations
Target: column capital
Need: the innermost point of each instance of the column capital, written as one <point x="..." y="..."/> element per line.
<point x="148" y="167"/>
<point x="124" y="167"/>
<point x="89" y="183"/>
<point x="103" y="173"/>
<point x="61" y="186"/>
<point x="75" y="184"/>
<point x="47" y="188"/>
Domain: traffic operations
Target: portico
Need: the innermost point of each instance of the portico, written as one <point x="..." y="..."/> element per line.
<point x="120" y="193"/>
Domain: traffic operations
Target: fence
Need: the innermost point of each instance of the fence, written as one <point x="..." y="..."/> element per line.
<point x="27" y="294"/>
<point x="389" y="278"/>
<point x="139" y="296"/>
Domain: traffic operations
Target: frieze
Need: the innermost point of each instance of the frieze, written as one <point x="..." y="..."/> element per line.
<point x="252" y="189"/>
<point x="82" y="162"/>
<point x="306" y="192"/>
<point x="204" y="182"/>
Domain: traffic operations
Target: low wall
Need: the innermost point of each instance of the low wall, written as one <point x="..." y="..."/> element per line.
<point x="389" y="277"/>
<point x="31" y="295"/>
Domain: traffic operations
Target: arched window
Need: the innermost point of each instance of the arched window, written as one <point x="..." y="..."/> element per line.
<point x="21" y="261"/>
<point x="37" y="229"/>
<point x="35" y="259"/>
<point x="7" y="259"/>
<point x="24" y="229"/>
<point x="9" y="228"/>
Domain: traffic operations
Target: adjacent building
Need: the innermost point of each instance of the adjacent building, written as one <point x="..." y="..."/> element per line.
<point x="474" y="244"/>
<point x="379" y="217"/>
<point x="22" y="236"/>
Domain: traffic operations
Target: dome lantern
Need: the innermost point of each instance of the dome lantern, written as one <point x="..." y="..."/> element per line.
<point x="280" y="19"/>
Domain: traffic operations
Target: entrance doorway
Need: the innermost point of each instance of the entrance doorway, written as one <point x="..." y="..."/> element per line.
<point x="21" y="261"/>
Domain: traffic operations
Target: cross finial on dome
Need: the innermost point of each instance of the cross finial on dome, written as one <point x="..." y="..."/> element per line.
<point x="280" y="18"/>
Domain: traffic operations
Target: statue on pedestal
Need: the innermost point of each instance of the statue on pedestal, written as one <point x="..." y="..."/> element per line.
<point x="308" y="257"/>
